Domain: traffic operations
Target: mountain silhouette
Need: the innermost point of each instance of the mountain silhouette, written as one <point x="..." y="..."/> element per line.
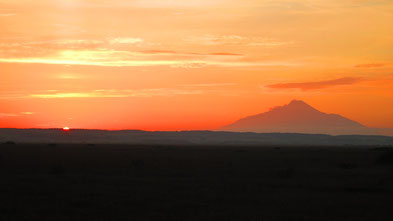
<point x="298" y="117"/>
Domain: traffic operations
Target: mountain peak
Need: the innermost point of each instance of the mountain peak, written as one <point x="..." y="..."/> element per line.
<point x="297" y="102"/>
<point x="297" y="106"/>
<point x="297" y="117"/>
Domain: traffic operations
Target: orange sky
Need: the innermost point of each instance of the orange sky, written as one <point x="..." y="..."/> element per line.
<point x="195" y="64"/>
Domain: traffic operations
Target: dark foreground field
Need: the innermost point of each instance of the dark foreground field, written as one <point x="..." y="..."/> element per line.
<point x="120" y="182"/>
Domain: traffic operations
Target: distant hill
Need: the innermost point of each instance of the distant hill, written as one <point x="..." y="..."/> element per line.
<point x="299" y="117"/>
<point x="54" y="136"/>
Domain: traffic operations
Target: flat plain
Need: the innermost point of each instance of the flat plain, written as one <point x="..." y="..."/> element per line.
<point x="195" y="182"/>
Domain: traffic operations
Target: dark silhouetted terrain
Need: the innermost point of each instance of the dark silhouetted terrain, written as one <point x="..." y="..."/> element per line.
<point x="193" y="175"/>
<point x="299" y="117"/>
<point x="189" y="182"/>
<point x="184" y="138"/>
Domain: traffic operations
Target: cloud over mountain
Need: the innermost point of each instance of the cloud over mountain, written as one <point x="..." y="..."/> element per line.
<point x="316" y="84"/>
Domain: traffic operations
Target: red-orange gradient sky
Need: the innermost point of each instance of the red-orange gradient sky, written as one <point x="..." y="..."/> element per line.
<point x="195" y="64"/>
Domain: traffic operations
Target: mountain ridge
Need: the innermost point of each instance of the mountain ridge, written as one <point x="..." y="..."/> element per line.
<point x="10" y="136"/>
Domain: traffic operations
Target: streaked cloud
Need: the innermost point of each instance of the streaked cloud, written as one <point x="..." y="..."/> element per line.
<point x="175" y="3"/>
<point x="66" y="42"/>
<point x="224" y="54"/>
<point x="7" y="14"/>
<point x="62" y="44"/>
<point x="159" y="52"/>
<point x="301" y="5"/>
<point x="315" y="84"/>
<point x="126" y="40"/>
<point x="296" y="4"/>
<point x="116" y="52"/>
<point x="113" y="58"/>
<point x="113" y="93"/>
<point x="69" y="76"/>
<point x="371" y="65"/>
<point x="2" y="115"/>
<point x="183" y="89"/>
<point x="216" y="40"/>
<point x="190" y="53"/>
<point x="236" y="40"/>
<point x="82" y="47"/>
<point x="210" y="85"/>
<point x="27" y="113"/>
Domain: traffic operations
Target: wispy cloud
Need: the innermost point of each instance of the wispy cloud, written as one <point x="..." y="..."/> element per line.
<point x="301" y="5"/>
<point x="224" y="54"/>
<point x="65" y="42"/>
<point x="27" y="113"/>
<point x="181" y="89"/>
<point x="209" y="85"/>
<point x="113" y="93"/>
<point x="69" y="76"/>
<point x="2" y="115"/>
<point x="128" y="52"/>
<point x="113" y="58"/>
<point x="7" y="14"/>
<point x="236" y="40"/>
<point x="190" y="53"/>
<point x="315" y="84"/>
<point x="39" y="47"/>
<point x="126" y="40"/>
<point x="371" y="65"/>
<point x="216" y="40"/>
<point x="83" y="46"/>
<point x="295" y="4"/>
<point x="159" y="52"/>
<point x="174" y="3"/>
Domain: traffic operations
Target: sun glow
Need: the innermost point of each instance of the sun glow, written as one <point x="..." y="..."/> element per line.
<point x="66" y="129"/>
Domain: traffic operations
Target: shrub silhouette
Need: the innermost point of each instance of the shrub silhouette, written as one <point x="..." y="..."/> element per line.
<point x="10" y="142"/>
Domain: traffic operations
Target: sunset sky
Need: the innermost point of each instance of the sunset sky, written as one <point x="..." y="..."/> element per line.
<point x="191" y="64"/>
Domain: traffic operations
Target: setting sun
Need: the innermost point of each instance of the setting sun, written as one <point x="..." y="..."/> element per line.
<point x="66" y="129"/>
